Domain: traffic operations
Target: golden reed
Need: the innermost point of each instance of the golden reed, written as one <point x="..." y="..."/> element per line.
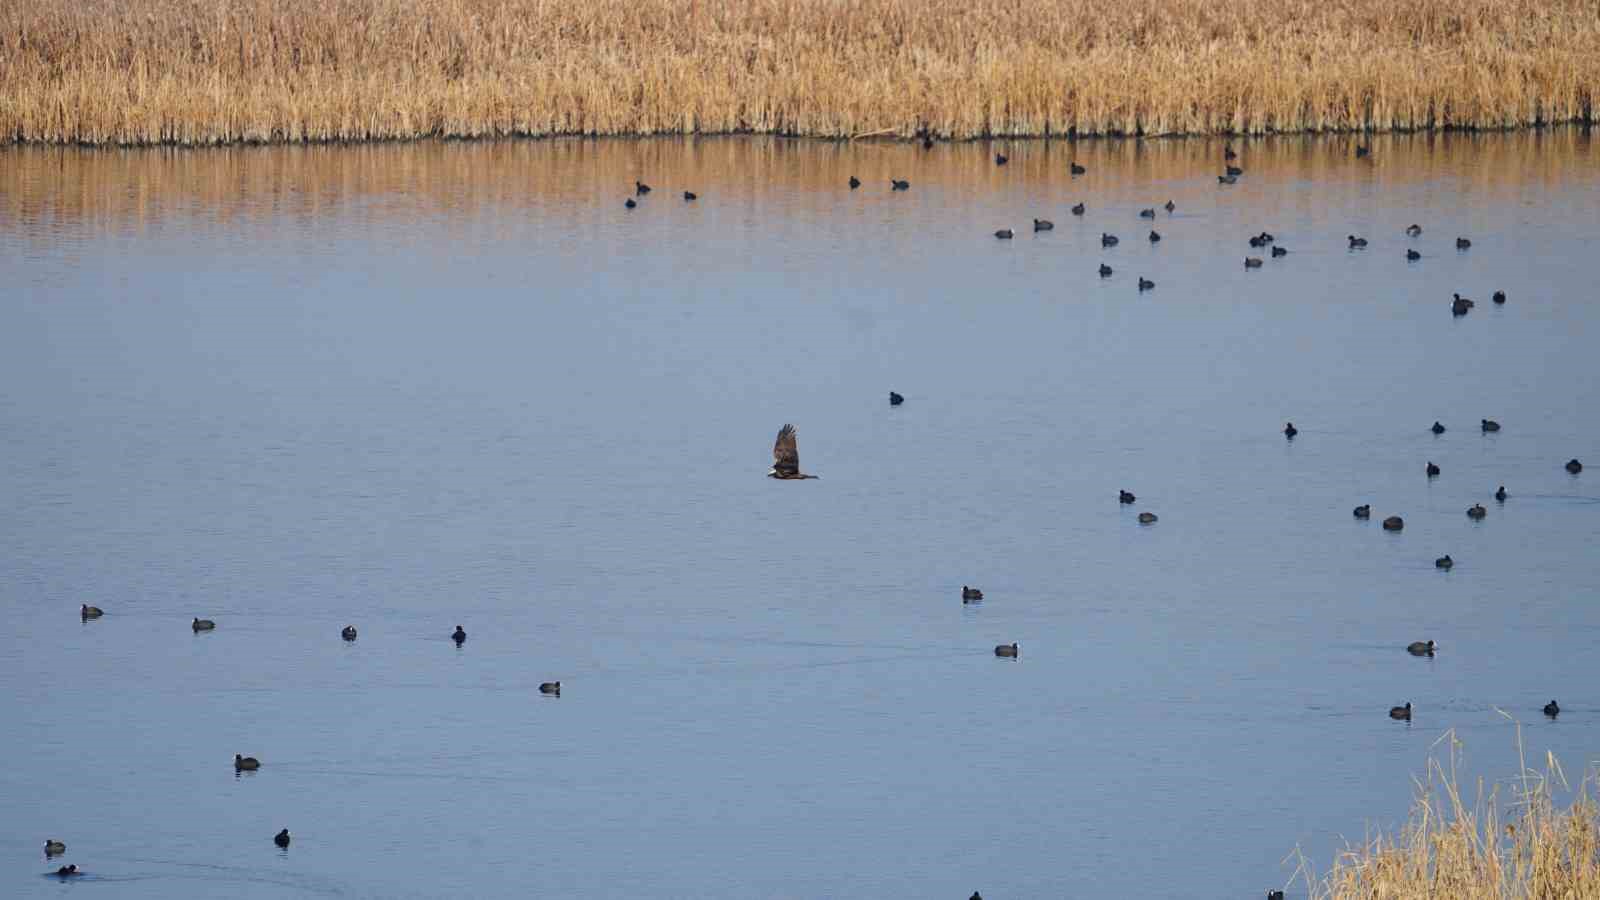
<point x="215" y="71"/>
<point x="1521" y="847"/>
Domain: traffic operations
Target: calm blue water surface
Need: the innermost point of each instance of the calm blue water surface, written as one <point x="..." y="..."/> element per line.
<point x="409" y="387"/>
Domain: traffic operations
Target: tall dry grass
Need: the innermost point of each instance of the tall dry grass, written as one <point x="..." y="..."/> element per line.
<point x="1523" y="846"/>
<point x="208" y="71"/>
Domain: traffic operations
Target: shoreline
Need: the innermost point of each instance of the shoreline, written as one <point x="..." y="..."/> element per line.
<point x="1244" y="139"/>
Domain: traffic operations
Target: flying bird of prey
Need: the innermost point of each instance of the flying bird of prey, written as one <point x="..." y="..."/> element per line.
<point x="786" y="457"/>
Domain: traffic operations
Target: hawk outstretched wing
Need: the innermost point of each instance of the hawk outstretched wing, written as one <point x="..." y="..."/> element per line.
<point x="785" y="455"/>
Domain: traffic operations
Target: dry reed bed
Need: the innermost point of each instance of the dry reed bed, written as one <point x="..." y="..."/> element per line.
<point x="1475" y="850"/>
<point x="210" y="71"/>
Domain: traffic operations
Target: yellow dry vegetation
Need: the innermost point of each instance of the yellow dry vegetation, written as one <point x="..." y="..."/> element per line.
<point x="1510" y="843"/>
<point x="212" y="71"/>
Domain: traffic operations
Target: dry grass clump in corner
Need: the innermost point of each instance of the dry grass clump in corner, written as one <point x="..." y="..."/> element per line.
<point x="212" y="71"/>
<point x="1451" y="848"/>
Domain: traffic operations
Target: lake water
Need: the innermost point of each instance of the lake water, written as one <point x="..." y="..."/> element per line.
<point x="413" y="386"/>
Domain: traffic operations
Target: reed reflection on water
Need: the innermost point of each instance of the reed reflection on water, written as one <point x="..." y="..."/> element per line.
<point x="129" y="188"/>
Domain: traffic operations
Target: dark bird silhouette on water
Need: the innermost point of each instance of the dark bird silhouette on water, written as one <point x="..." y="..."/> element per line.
<point x="1462" y="243"/>
<point x="1001" y="159"/>
<point x="1437" y="428"/>
<point x="1289" y="431"/>
<point x="970" y="594"/>
<point x="550" y="687"/>
<point x="1170" y="207"/>
<point x="1364" y="511"/>
<point x="629" y="203"/>
<point x="1155" y="236"/>
<point x="1444" y="562"/>
<point x="1552" y="709"/>
<point x="1500" y="494"/>
<point x="1432" y="470"/>
<point x="1476" y="511"/>
<point x="1357" y="243"/>
<point x="281" y="838"/>
<point x="1004" y="234"/>
<point x="898" y="185"/>
<point x="1125" y="497"/>
<point x="1274" y="895"/>
<point x="1235" y="171"/>
<point x="1401" y="712"/>
<point x="1105" y="271"/>
<point x="1227" y="179"/>
<point x="68" y="871"/>
<point x="1147" y="518"/>
<point x="1147" y="213"/>
<point x="90" y="612"/>
<point x="1108" y="240"/>
<point x="1145" y="284"/>
<point x="1077" y="169"/>
<point x="1420" y="648"/>
<point x="1394" y="523"/>
<point x="245" y="763"/>
<point x="1362" y="150"/>
<point x="895" y="399"/>
<point x="1460" y="306"/>
<point x="1078" y="209"/>
<point x="690" y="195"/>
<point x="1006" y="650"/>
<point x="1279" y="251"/>
<point x="1252" y="262"/>
<point x="1490" y="425"/>
<point x="348" y="632"/>
<point x="1499" y="298"/>
<point x="459" y="635"/>
<point x="786" y="457"/>
<point x="1043" y="224"/>
<point x="1412" y="256"/>
<point x="854" y="182"/>
<point x="640" y="188"/>
<point x="1413" y="230"/>
<point x="1573" y="465"/>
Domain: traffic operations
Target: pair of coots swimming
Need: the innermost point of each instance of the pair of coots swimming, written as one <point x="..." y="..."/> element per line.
<point x="1551" y="709"/>
<point x="1393" y="523"/>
